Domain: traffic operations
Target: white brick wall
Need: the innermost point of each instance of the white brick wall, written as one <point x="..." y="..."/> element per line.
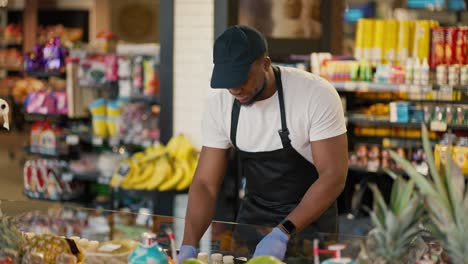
<point x="193" y="43"/>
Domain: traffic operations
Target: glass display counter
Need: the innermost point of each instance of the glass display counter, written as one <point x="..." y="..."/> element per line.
<point x="239" y="240"/>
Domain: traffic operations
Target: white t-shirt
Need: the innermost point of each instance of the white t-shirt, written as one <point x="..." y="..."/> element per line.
<point x="313" y="112"/>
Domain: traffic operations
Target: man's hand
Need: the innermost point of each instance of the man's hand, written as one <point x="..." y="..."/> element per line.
<point x="186" y="252"/>
<point x="274" y="244"/>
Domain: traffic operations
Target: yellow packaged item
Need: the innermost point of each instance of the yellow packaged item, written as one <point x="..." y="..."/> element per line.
<point x="100" y="126"/>
<point x="390" y="41"/>
<point x="379" y="36"/>
<point x="359" y="40"/>
<point x="404" y="41"/>
<point x="422" y="35"/>
<point x="460" y="156"/>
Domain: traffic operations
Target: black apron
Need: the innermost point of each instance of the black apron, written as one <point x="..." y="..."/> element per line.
<point x="277" y="180"/>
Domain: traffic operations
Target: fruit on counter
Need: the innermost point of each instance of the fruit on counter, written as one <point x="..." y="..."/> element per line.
<point x="193" y="261"/>
<point x="114" y="251"/>
<point x="51" y="247"/>
<point x="264" y="260"/>
<point x="159" y="167"/>
<point x="12" y="241"/>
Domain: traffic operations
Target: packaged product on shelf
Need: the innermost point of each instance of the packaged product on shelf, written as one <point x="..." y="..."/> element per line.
<point x="151" y="84"/>
<point x="92" y="71"/>
<point x="111" y="67"/>
<point x="424" y="72"/>
<point x="378" y="49"/>
<point x="390" y="41"/>
<point x="404" y="41"/>
<point x="454" y="75"/>
<point x="464" y="75"/>
<point x="450" y="45"/>
<point x="442" y="74"/>
<point x="437" y="47"/>
<point x="399" y="112"/>
<point x="409" y="71"/>
<point x="416" y="72"/>
<point x="461" y="46"/>
<point x="137" y="74"/>
<point x="460" y="154"/>
<point x="422" y="35"/>
<point x="43" y="179"/>
<point x="124" y="67"/>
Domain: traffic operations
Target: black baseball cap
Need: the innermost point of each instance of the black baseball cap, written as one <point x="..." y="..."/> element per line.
<point x="234" y="52"/>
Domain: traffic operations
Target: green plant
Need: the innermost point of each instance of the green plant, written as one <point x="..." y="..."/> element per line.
<point x="395" y="236"/>
<point x="445" y="198"/>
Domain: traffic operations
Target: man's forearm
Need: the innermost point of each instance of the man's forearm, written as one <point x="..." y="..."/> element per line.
<point x="316" y="201"/>
<point x="200" y="211"/>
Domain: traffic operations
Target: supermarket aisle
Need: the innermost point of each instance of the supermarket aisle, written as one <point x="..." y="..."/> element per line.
<point x="11" y="186"/>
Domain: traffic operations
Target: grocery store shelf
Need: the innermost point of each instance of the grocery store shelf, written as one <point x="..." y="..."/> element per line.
<point x="386" y="87"/>
<point x="10" y="43"/>
<point x="27" y="149"/>
<point x="373" y="121"/>
<point x="10" y="68"/>
<point x="86" y="176"/>
<point x="150" y="99"/>
<point x="33" y="117"/>
<point x="379" y="171"/>
<point x="44" y="74"/>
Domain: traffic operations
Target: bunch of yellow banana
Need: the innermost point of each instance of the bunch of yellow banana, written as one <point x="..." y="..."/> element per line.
<point x="159" y="167"/>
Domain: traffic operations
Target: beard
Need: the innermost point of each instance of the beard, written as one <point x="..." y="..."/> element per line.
<point x="257" y="95"/>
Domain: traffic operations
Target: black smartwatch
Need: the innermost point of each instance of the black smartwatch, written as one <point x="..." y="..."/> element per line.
<point x="288" y="226"/>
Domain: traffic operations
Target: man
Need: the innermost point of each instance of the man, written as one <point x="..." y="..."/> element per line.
<point x="289" y="130"/>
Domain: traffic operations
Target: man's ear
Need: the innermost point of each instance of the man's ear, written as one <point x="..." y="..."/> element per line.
<point x="266" y="63"/>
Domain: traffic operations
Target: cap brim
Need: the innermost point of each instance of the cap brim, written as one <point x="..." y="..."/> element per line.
<point x="229" y="76"/>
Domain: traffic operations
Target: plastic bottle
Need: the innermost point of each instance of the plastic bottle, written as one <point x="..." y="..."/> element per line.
<point x="148" y="249"/>
<point x="409" y="71"/>
<point x="216" y="258"/>
<point x="417" y="72"/>
<point x="203" y="257"/>
<point x="424" y="72"/>
<point x="228" y="260"/>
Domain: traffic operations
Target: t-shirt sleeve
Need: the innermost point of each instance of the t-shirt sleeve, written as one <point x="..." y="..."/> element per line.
<point x="213" y="126"/>
<point x="326" y="114"/>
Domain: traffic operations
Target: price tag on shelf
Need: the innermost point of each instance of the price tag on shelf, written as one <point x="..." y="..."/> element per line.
<point x="363" y="87"/>
<point x="438" y="126"/>
<point x="403" y="88"/>
<point x="67" y="176"/>
<point x="426" y="89"/>
<point x="72" y="139"/>
<point x="103" y="180"/>
<point x="97" y="141"/>
<point x="350" y="86"/>
<point x="446" y="89"/>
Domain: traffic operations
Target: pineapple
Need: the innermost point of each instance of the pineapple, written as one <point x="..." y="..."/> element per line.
<point x="446" y="201"/>
<point x="12" y="240"/>
<point x="52" y="247"/>
<point x="396" y="235"/>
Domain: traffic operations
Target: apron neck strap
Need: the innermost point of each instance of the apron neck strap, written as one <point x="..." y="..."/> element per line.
<point x="284" y="131"/>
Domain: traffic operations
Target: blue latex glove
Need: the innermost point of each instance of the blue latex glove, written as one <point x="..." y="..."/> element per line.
<point x="186" y="252"/>
<point x="274" y="244"/>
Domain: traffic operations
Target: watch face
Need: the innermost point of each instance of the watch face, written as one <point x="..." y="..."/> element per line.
<point x="289" y="226"/>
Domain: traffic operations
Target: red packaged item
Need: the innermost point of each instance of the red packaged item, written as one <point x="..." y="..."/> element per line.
<point x="450" y="45"/>
<point x="437" y="47"/>
<point x="461" y="48"/>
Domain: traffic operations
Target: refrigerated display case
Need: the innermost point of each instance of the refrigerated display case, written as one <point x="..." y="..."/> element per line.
<point x="85" y="225"/>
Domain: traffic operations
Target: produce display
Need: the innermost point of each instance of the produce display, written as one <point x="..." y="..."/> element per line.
<point x="159" y="167"/>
